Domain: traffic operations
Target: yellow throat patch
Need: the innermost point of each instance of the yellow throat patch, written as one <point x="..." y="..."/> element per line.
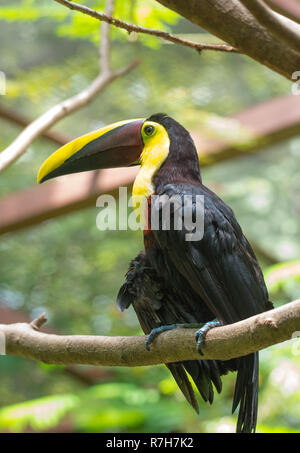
<point x="155" y="152"/>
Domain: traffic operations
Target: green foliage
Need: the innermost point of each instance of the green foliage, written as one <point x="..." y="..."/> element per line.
<point x="102" y="408"/>
<point x="31" y="10"/>
<point x="40" y="414"/>
<point x="125" y="407"/>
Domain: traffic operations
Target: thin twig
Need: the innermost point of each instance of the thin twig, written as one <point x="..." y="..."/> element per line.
<point x="38" y="322"/>
<point x="148" y="31"/>
<point x="222" y="343"/>
<point x="279" y="26"/>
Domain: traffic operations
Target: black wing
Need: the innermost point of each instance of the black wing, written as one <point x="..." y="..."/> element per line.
<point x="221" y="267"/>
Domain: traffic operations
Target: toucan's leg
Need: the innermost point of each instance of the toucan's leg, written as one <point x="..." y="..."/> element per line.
<point x="158" y="330"/>
<point x="201" y="333"/>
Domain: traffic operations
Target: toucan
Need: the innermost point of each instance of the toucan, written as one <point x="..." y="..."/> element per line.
<point x="212" y="281"/>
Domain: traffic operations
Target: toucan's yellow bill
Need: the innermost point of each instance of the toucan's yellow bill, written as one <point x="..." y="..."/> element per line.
<point x="117" y="145"/>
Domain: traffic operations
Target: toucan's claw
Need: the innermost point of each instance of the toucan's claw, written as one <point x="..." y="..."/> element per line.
<point x="201" y="333"/>
<point x="158" y="330"/>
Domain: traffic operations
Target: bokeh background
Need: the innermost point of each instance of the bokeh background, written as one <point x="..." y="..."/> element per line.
<point x="69" y="269"/>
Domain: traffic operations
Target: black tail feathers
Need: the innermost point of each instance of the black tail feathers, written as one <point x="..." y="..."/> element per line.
<point x="184" y="384"/>
<point x="246" y="393"/>
<point x="204" y="373"/>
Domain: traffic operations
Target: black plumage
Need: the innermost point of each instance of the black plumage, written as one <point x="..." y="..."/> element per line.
<point x="179" y="281"/>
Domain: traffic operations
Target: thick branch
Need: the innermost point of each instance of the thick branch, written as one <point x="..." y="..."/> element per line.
<point x="148" y="31"/>
<point x="233" y="23"/>
<point x="281" y="27"/>
<point x="221" y="343"/>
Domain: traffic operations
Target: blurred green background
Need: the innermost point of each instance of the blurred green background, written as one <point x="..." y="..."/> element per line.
<point x="73" y="271"/>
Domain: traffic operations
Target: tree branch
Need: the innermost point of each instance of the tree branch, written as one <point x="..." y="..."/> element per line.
<point x="148" y="31"/>
<point x="281" y="27"/>
<point x="64" y="108"/>
<point x="222" y="343"/>
<point x="233" y="23"/>
<point x="104" y="47"/>
<point x="287" y="8"/>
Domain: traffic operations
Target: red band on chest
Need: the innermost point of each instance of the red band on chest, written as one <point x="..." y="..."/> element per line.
<point x="147" y="228"/>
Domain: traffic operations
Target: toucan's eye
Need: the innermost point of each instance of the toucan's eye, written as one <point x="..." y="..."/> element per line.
<point x="149" y="130"/>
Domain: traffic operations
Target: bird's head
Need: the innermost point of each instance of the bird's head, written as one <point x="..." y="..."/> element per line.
<point x="126" y="143"/>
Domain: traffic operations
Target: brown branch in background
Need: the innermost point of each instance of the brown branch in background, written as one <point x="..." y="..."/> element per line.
<point x="222" y="343"/>
<point x="59" y="139"/>
<point x="144" y="30"/>
<point x="268" y="257"/>
<point x="15" y="117"/>
<point x="283" y="272"/>
<point x="269" y="122"/>
<point x="279" y="26"/>
<point x="63" y="109"/>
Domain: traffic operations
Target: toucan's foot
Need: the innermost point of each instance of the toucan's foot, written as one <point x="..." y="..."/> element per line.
<point x="158" y="330"/>
<point x="155" y="332"/>
<point x="201" y="333"/>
